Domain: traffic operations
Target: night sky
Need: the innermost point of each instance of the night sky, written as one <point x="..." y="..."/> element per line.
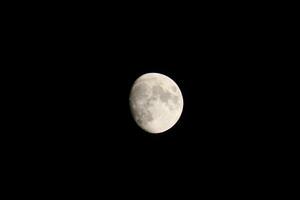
<point x="89" y="127"/>
<point x="79" y="77"/>
<point x="91" y="116"/>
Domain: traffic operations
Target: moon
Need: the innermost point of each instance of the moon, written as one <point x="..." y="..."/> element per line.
<point x="156" y="102"/>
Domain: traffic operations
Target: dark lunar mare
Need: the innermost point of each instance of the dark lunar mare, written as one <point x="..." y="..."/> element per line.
<point x="165" y="96"/>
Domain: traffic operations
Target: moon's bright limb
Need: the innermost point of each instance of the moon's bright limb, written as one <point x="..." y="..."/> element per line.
<point x="156" y="102"/>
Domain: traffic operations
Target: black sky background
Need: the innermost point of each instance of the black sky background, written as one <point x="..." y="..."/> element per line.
<point x="80" y="68"/>
<point x="89" y="122"/>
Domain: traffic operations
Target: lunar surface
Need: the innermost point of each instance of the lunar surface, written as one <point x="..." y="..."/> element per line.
<point x="156" y="102"/>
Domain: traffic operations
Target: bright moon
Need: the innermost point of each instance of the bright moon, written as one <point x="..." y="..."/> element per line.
<point x="156" y="102"/>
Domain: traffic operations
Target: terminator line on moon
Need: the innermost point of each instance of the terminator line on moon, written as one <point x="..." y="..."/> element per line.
<point x="156" y="102"/>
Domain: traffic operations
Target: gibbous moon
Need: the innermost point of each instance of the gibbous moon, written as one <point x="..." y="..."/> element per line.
<point x="156" y="102"/>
